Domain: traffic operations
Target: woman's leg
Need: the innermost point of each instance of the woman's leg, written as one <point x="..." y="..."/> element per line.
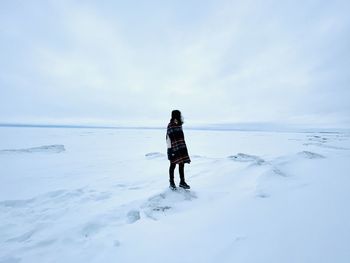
<point x="182" y="172"/>
<point x="171" y="172"/>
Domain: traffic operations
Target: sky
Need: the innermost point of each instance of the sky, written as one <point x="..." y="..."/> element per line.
<point x="132" y="62"/>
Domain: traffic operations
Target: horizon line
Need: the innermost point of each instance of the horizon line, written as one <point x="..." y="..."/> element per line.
<point x="275" y="127"/>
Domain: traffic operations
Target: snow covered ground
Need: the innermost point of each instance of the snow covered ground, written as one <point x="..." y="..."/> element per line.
<point x="101" y="195"/>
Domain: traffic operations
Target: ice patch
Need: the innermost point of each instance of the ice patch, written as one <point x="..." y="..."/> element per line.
<point x="242" y="157"/>
<point x="45" y="243"/>
<point x="116" y="243"/>
<point x="326" y="146"/>
<point x="16" y="203"/>
<point x="317" y="138"/>
<point x="24" y="237"/>
<point x="311" y="155"/>
<point x="55" y="148"/>
<point x="10" y="260"/>
<point x="240" y="238"/>
<point x="133" y="216"/>
<point x="153" y="155"/>
<point x="196" y="156"/>
<point x="320" y="141"/>
<point x="262" y="195"/>
<point x="278" y="171"/>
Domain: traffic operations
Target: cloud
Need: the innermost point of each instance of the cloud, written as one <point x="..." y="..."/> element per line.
<point x="232" y="61"/>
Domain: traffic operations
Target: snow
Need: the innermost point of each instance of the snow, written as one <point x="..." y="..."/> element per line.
<point x="45" y="148"/>
<point x="101" y="195"/>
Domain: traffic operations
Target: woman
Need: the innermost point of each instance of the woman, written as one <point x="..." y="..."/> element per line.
<point x="177" y="150"/>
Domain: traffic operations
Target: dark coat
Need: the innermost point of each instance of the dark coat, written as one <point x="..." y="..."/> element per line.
<point x="178" y="152"/>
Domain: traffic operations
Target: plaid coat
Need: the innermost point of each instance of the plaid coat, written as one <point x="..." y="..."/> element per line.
<point x="177" y="150"/>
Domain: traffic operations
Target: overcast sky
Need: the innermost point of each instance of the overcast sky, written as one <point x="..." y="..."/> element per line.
<point x="113" y="62"/>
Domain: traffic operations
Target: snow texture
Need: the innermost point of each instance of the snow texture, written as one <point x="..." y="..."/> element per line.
<point x="57" y="148"/>
<point x="255" y="197"/>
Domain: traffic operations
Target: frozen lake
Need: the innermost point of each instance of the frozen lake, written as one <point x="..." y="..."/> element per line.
<point x="101" y="195"/>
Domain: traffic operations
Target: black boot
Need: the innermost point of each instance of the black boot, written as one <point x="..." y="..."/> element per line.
<point x="184" y="185"/>
<point x="172" y="185"/>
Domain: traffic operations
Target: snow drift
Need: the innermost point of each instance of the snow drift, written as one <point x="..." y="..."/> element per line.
<point x="255" y="197"/>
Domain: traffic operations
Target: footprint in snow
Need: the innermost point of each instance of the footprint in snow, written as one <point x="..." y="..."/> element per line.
<point x="163" y="202"/>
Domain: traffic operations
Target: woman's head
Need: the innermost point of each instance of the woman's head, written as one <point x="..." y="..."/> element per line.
<point x="176" y="117"/>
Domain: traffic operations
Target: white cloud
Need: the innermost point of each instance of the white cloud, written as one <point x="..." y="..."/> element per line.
<point x="234" y="61"/>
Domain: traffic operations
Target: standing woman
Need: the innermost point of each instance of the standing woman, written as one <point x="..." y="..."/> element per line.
<point x="177" y="150"/>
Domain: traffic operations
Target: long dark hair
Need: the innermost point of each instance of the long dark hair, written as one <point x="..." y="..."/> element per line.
<point x="176" y="115"/>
